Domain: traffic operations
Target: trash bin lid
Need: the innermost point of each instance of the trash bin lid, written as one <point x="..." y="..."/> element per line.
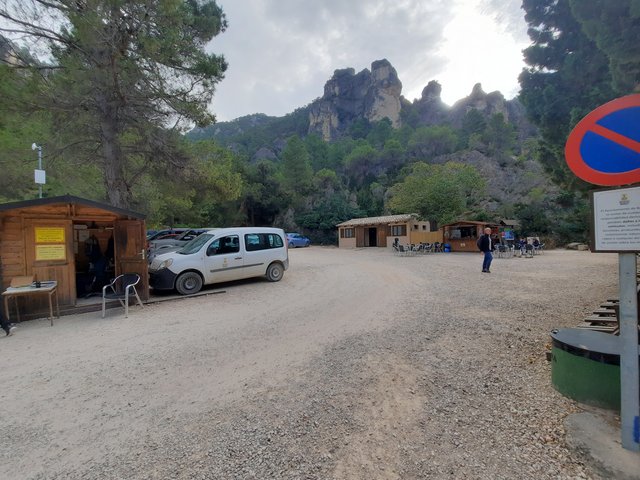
<point x="599" y="346"/>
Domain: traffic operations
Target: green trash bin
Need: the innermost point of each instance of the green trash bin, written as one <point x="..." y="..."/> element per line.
<point x="585" y="366"/>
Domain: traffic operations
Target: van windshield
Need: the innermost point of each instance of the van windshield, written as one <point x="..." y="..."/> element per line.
<point x="196" y="244"/>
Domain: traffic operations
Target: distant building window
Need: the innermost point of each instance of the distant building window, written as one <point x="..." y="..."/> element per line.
<point x="347" y="233"/>
<point x="398" y="230"/>
<point x="424" y="227"/>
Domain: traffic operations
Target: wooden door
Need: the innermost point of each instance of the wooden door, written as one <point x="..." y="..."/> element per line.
<point x="382" y="237"/>
<point x="360" y="237"/>
<point x="129" y="241"/>
<point x="49" y="255"/>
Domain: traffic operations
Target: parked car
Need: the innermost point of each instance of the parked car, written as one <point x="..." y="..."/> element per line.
<point x="170" y="241"/>
<point x="221" y="255"/>
<point x="297" y="240"/>
<point x="157" y="234"/>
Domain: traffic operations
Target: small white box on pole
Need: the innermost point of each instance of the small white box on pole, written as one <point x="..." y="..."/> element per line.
<point x="40" y="176"/>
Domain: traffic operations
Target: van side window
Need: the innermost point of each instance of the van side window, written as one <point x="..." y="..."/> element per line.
<point x="223" y="245"/>
<point x="262" y="241"/>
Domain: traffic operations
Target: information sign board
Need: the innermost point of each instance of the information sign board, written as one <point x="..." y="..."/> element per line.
<point x="616" y="220"/>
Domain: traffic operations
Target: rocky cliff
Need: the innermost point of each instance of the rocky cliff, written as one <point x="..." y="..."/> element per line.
<point x="372" y="95"/>
<point x="377" y="93"/>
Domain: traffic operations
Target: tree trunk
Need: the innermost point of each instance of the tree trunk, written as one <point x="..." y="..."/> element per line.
<point x="118" y="192"/>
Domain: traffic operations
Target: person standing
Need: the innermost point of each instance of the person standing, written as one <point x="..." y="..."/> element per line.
<point x="485" y="246"/>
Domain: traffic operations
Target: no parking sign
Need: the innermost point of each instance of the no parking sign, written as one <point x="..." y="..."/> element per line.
<point x="604" y="149"/>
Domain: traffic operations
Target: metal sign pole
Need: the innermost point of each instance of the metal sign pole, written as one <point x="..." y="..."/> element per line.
<point x="629" y="351"/>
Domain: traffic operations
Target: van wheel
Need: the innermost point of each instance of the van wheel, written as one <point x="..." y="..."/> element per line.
<point x="275" y="272"/>
<point x="188" y="283"/>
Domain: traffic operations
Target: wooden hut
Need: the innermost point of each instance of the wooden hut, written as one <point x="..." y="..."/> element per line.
<point x="462" y="235"/>
<point x="78" y="243"/>
<point x="382" y="231"/>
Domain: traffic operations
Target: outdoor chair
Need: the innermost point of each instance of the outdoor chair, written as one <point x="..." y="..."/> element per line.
<point x="528" y="250"/>
<point x="121" y="288"/>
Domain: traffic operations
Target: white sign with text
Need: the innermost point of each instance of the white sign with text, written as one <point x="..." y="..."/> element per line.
<point x="616" y="220"/>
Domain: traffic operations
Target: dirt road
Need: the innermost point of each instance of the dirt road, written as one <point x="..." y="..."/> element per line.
<point x="357" y="365"/>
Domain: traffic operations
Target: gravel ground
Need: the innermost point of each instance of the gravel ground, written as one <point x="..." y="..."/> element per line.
<point x="357" y="365"/>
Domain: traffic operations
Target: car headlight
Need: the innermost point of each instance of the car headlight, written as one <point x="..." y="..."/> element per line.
<point x="158" y="264"/>
<point x="165" y="263"/>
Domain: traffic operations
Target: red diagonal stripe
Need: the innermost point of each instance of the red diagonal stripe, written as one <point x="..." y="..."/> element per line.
<point x="616" y="137"/>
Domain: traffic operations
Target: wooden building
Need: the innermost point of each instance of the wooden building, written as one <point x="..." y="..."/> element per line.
<point x="382" y="231"/>
<point x="77" y="242"/>
<point x="462" y="235"/>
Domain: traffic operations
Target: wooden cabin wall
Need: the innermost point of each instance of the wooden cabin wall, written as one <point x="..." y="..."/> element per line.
<point x="18" y="246"/>
<point x="12" y="253"/>
<point x="62" y="271"/>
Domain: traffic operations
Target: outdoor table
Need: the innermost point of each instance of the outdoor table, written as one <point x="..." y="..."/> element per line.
<point x="50" y="288"/>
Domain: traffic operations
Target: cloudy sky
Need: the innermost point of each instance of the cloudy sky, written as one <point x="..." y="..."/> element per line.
<point x="282" y="52"/>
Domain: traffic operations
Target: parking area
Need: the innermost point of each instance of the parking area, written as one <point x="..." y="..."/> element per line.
<point x="357" y="364"/>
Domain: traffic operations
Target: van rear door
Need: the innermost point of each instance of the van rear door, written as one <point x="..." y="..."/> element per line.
<point x="262" y="249"/>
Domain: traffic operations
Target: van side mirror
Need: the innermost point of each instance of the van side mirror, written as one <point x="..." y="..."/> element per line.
<point x="211" y="250"/>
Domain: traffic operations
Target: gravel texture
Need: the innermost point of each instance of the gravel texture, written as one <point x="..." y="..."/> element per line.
<point x="357" y="365"/>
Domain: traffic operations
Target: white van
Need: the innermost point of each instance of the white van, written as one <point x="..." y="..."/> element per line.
<point x="221" y="255"/>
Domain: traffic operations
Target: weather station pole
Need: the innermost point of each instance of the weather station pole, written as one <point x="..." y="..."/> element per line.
<point x="39" y="173"/>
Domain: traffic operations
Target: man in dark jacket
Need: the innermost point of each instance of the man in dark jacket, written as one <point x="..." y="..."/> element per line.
<point x="486" y="247"/>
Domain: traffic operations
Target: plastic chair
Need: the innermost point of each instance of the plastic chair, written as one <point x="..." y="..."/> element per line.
<point x="121" y="288"/>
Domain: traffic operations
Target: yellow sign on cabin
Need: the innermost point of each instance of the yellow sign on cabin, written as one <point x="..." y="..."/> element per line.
<point x="49" y="234"/>
<point x="51" y="252"/>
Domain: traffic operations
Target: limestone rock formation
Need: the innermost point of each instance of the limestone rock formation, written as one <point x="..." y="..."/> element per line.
<point x="486" y="103"/>
<point x="372" y="95"/>
<point x="430" y="108"/>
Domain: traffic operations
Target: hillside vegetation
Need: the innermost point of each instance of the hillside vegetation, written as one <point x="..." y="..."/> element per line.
<point x="120" y="128"/>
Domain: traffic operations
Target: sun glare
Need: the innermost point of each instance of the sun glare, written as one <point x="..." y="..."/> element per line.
<point x="478" y="51"/>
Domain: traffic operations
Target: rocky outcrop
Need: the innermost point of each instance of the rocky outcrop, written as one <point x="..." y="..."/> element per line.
<point x="430" y="108"/>
<point x="486" y="103"/>
<point x="372" y="95"/>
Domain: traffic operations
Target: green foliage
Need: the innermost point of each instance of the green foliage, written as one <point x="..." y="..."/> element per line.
<point x="263" y="197"/>
<point x="123" y="72"/>
<point x="437" y="192"/>
<point x="380" y="132"/>
<point x="296" y="168"/>
<point x="360" y="128"/>
<point x="499" y="136"/>
<point x="318" y="151"/>
<point x="533" y="219"/>
<point x="473" y="123"/>
<point x="568" y="76"/>
<point x="324" y="217"/>
<point x="574" y="225"/>
<point x="359" y="163"/>
<point x="195" y="195"/>
<point x="429" y="142"/>
<point x="614" y="26"/>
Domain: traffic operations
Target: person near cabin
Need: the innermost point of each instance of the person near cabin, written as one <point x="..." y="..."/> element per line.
<point x="6" y="326"/>
<point x="485" y="245"/>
